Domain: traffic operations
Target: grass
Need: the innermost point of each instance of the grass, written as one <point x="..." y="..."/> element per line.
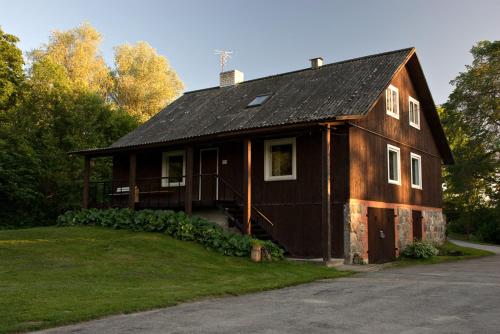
<point x="52" y="276"/>
<point x="447" y="248"/>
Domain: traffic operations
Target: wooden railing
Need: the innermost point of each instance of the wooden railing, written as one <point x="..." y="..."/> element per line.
<point x="167" y="193"/>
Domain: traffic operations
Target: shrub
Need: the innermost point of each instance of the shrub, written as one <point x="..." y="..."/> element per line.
<point x="419" y="250"/>
<point x="175" y="224"/>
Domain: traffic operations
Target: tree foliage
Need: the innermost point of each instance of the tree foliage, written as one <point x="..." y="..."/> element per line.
<point x="144" y="81"/>
<point x="11" y="70"/>
<point x="77" y="52"/>
<point x="471" y="119"/>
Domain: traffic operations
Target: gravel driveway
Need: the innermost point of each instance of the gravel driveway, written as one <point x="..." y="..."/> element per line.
<point x="457" y="297"/>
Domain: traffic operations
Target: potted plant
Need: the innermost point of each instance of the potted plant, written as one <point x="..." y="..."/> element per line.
<point x="256" y="254"/>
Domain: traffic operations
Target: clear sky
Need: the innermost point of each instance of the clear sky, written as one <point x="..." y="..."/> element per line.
<point x="269" y="37"/>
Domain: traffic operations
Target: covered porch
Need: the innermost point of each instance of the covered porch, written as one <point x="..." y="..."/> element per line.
<point x="230" y="175"/>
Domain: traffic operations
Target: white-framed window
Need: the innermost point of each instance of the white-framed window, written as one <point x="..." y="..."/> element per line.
<point x="392" y="101"/>
<point x="414" y="112"/>
<point x="394" y="164"/>
<point x="416" y="170"/>
<point x="280" y="161"/>
<point x="173" y="169"/>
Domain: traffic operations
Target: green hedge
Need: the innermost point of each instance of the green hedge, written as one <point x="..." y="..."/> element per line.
<point x="176" y="224"/>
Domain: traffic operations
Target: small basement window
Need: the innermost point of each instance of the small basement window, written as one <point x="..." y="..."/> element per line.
<point x="392" y="101"/>
<point x="259" y="100"/>
<point x="173" y="169"/>
<point x="416" y="171"/>
<point x="280" y="161"/>
<point x="394" y="164"/>
<point x="414" y="113"/>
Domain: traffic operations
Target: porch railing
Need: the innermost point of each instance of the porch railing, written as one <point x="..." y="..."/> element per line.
<point x="169" y="193"/>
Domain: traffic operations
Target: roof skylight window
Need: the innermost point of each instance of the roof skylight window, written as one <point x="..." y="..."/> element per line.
<point x="259" y="100"/>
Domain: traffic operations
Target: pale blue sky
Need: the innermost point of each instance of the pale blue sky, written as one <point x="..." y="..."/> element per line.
<point x="270" y="37"/>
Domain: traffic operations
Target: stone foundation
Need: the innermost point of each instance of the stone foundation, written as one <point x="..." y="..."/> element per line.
<point x="356" y="227"/>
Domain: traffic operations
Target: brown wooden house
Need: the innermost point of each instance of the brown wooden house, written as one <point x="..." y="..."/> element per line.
<point x="339" y="160"/>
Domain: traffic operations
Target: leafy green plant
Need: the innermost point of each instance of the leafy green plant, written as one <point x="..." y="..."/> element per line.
<point x="175" y="224"/>
<point x="419" y="250"/>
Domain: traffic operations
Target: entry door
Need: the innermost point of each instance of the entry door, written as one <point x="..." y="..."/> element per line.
<point x="208" y="169"/>
<point x="381" y="241"/>
<point x="417" y="224"/>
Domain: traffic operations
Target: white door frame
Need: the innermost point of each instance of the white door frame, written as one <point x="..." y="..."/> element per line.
<point x="216" y="171"/>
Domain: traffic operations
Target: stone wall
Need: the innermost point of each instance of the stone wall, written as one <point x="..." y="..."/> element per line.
<point x="404" y="228"/>
<point x="356" y="228"/>
<point x="434" y="226"/>
<point x="355" y="233"/>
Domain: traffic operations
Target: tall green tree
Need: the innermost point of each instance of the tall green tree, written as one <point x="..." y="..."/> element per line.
<point x="77" y="52"/>
<point x="144" y="81"/>
<point x="471" y="119"/>
<point x="11" y="70"/>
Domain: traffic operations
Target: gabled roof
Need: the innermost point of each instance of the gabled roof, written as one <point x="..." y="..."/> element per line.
<point x="341" y="90"/>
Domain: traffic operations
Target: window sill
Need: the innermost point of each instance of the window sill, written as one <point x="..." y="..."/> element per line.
<point x="416" y="126"/>
<point x="416" y="187"/>
<point x="396" y="183"/>
<point x="280" y="178"/>
<point x="396" y="116"/>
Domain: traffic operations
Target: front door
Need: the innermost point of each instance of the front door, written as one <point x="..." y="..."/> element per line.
<point x="209" y="168"/>
<point x="381" y="241"/>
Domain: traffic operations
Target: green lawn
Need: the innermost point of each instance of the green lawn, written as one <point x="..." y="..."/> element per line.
<point x="448" y="247"/>
<point x="52" y="276"/>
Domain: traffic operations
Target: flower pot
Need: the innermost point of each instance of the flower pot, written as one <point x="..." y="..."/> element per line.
<point x="256" y="254"/>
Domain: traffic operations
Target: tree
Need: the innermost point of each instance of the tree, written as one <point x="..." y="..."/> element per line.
<point x="144" y="81"/>
<point x="11" y="70"/>
<point x="471" y="119"/>
<point x="77" y="51"/>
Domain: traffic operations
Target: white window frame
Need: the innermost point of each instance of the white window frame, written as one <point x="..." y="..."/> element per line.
<point x="389" y="101"/>
<point x="164" y="169"/>
<point x="398" y="153"/>
<point x="419" y="158"/>
<point x="268" y="144"/>
<point x="415" y="102"/>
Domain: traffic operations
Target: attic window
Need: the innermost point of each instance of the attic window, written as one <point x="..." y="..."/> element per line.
<point x="259" y="100"/>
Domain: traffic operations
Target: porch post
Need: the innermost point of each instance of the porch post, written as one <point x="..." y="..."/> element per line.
<point x="188" y="190"/>
<point x="326" y="230"/>
<point x="86" y="179"/>
<point x="132" y="181"/>
<point x="247" y="185"/>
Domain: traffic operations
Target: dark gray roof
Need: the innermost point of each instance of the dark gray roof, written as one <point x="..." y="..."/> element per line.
<point x="346" y="88"/>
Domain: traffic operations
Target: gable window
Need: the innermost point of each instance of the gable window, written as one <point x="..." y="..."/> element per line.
<point x="414" y="113"/>
<point x="416" y="171"/>
<point x="394" y="164"/>
<point x="173" y="169"/>
<point x="280" y="159"/>
<point x="392" y="101"/>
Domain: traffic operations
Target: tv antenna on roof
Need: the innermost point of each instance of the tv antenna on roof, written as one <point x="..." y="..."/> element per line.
<point x="224" y="56"/>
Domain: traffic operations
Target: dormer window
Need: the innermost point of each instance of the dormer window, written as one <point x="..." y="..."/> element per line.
<point x="392" y="101"/>
<point x="259" y="100"/>
<point x="414" y="113"/>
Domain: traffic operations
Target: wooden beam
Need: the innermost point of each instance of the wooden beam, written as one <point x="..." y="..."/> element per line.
<point x="247" y="185"/>
<point x="326" y="228"/>
<point x="188" y="190"/>
<point x="86" y="182"/>
<point x="132" y="180"/>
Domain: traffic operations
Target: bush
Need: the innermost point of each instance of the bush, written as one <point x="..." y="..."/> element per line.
<point x="419" y="250"/>
<point x="176" y="224"/>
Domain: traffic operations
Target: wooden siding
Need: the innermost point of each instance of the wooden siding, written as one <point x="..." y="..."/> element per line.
<point x="368" y="153"/>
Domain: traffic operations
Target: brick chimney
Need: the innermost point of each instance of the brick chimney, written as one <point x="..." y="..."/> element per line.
<point x="316" y="62"/>
<point x="231" y="78"/>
